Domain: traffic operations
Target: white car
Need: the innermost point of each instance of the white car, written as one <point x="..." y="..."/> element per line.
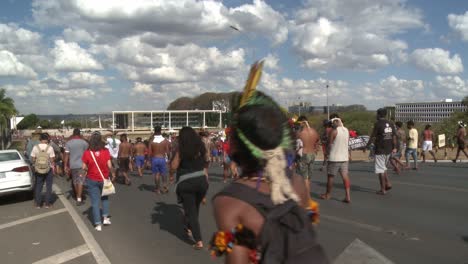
<point x="15" y="173"/>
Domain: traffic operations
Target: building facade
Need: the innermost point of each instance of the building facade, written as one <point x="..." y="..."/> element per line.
<point x="428" y="112"/>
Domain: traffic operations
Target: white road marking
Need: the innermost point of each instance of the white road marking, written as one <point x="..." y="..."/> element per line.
<point x="32" y="218"/>
<point x="97" y="251"/>
<point x="65" y="255"/>
<point x="359" y="252"/>
<point x="351" y="222"/>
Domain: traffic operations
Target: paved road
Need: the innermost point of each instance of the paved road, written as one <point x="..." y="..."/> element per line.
<point x="422" y="220"/>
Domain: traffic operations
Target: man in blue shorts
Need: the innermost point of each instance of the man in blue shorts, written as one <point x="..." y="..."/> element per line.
<point x="139" y="151"/>
<point x="159" y="149"/>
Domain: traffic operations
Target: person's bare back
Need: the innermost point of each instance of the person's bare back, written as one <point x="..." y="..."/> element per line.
<point x="310" y="139"/>
<point x="140" y="148"/>
<point x="159" y="150"/>
<point x="125" y="149"/>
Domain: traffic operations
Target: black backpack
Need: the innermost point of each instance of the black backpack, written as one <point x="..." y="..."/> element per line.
<point x="287" y="236"/>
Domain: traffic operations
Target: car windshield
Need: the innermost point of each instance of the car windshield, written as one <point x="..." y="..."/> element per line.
<point x="7" y="156"/>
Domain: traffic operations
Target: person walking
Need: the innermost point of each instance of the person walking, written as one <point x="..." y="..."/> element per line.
<point x="139" y="153"/>
<point x="97" y="163"/>
<point x="460" y="137"/>
<point x="428" y="138"/>
<point x="124" y="156"/>
<point x="113" y="144"/>
<point x="159" y="150"/>
<point x="191" y="184"/>
<point x="310" y="139"/>
<point x="412" y="145"/>
<point x="42" y="158"/>
<point x="385" y="141"/>
<point x="338" y="159"/>
<point x="261" y="215"/>
<point x="74" y="149"/>
<point x="401" y="139"/>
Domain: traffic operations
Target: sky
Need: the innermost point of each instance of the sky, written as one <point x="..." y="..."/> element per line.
<point x="88" y="56"/>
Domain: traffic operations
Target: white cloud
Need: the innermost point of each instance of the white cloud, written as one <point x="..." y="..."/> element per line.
<point x="142" y="88"/>
<point x="11" y="66"/>
<point x="19" y="40"/>
<point x="69" y="56"/>
<point x="450" y="86"/>
<point x="352" y="34"/>
<point x="271" y="62"/>
<point x="77" y="35"/>
<point x="437" y="60"/>
<point x="459" y="24"/>
<point x="85" y="79"/>
<point x="165" y="21"/>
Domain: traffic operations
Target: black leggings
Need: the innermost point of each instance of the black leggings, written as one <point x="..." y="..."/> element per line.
<point x="192" y="192"/>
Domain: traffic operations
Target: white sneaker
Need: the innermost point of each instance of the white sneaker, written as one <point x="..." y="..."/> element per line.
<point x="106" y="221"/>
<point x="98" y="228"/>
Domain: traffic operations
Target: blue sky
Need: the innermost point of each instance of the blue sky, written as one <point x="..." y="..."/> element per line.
<point x="85" y="56"/>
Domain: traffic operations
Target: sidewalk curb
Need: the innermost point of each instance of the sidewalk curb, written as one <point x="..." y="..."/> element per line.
<point x="92" y="244"/>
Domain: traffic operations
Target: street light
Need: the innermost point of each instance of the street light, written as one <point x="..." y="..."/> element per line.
<point x="328" y="107"/>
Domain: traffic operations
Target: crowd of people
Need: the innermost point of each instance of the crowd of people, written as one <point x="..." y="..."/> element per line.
<point x="265" y="214"/>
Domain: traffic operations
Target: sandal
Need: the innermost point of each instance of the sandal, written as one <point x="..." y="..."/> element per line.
<point x="196" y="246"/>
<point x="346" y="201"/>
<point x="380" y="193"/>
<point x="387" y="188"/>
<point x="325" y="196"/>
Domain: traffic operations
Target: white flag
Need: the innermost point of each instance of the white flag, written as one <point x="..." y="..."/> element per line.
<point x="63" y="122"/>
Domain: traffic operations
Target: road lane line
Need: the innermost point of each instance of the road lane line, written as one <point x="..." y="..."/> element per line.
<point x="444" y="188"/>
<point x="32" y="218"/>
<point x="65" y="255"/>
<point x="97" y="251"/>
<point x="351" y="222"/>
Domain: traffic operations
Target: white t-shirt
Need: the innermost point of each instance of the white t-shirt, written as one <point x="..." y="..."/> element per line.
<point x="114" y="151"/>
<point x="40" y="147"/>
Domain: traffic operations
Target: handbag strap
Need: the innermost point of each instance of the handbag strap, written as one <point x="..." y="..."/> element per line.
<point x="97" y="165"/>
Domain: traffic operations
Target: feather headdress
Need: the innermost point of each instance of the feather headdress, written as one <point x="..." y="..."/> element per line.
<point x="251" y="84"/>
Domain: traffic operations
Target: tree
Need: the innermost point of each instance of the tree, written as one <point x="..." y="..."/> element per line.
<point x="7" y="110"/>
<point x="30" y="121"/>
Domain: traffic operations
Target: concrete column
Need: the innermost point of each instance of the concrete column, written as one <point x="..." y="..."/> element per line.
<point x="187" y="118"/>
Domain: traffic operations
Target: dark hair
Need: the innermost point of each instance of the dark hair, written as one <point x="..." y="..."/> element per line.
<point x="157" y="130"/>
<point x="410" y="123"/>
<point x="381" y="112"/>
<point x="95" y="142"/>
<point x="263" y="126"/>
<point x="138" y="139"/>
<point x="76" y="132"/>
<point x="123" y="137"/>
<point x="428" y="126"/>
<point x="44" y="136"/>
<point x="399" y="124"/>
<point x="302" y="118"/>
<point x="190" y="144"/>
<point x="334" y="115"/>
<point x="326" y="123"/>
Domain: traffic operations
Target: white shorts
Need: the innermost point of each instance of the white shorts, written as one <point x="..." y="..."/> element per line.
<point x="427" y="145"/>
<point x="381" y="161"/>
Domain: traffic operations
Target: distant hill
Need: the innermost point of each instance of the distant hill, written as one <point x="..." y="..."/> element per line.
<point x="202" y="102"/>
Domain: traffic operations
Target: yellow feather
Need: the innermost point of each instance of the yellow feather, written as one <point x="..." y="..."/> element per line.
<point x="252" y="81"/>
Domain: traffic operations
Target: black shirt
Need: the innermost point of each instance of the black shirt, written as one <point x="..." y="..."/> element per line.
<point x="384" y="131"/>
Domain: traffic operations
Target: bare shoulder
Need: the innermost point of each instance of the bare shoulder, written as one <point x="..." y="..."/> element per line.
<point x="226" y="211"/>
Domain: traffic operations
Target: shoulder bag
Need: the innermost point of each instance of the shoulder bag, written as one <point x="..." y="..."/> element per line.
<point x="107" y="187"/>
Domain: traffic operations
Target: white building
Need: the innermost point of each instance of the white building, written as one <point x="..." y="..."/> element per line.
<point x="428" y="112"/>
<point x="167" y="119"/>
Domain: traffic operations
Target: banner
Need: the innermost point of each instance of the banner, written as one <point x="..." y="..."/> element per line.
<point x="359" y="142"/>
<point x="441" y="140"/>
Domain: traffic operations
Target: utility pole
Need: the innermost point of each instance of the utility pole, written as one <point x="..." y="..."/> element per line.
<point x="328" y="107"/>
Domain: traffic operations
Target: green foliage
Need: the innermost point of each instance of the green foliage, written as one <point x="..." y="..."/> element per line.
<point x="30" y="121"/>
<point x="449" y="126"/>
<point x="7" y="107"/>
<point x="362" y="122"/>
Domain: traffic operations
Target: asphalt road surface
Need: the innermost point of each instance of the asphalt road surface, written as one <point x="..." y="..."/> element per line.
<point x="423" y="219"/>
